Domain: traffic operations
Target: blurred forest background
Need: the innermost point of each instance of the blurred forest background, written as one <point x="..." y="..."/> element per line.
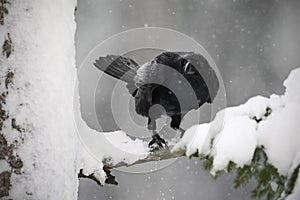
<point x="254" y="43"/>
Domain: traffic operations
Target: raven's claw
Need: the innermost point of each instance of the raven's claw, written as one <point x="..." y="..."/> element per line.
<point x="157" y="143"/>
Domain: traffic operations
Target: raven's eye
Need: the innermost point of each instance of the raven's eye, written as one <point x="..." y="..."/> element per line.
<point x="189" y="69"/>
<point x="186" y="66"/>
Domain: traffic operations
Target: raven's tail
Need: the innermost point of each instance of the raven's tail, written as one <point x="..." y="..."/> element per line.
<point x="118" y="67"/>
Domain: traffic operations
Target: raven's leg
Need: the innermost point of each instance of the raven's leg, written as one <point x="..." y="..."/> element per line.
<point x="157" y="142"/>
<point x="175" y="124"/>
<point x="152" y="125"/>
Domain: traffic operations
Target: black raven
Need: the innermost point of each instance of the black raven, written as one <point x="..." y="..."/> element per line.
<point x="178" y="81"/>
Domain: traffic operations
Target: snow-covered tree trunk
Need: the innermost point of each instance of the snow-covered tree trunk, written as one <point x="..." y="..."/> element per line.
<point x="39" y="147"/>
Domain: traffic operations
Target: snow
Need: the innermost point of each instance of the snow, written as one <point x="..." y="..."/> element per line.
<point x="44" y="101"/>
<point x="241" y="148"/>
<point x="4" y="166"/>
<point x="115" y="147"/>
<point x="200" y="143"/>
<point x="269" y="122"/>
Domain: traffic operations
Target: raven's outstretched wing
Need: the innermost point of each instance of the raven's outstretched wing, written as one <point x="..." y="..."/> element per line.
<point x="119" y="67"/>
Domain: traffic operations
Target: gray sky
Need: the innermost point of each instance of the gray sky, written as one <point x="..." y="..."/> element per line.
<point x="254" y="44"/>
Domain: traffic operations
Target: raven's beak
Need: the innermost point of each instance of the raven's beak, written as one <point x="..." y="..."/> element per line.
<point x="149" y="99"/>
<point x="149" y="96"/>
